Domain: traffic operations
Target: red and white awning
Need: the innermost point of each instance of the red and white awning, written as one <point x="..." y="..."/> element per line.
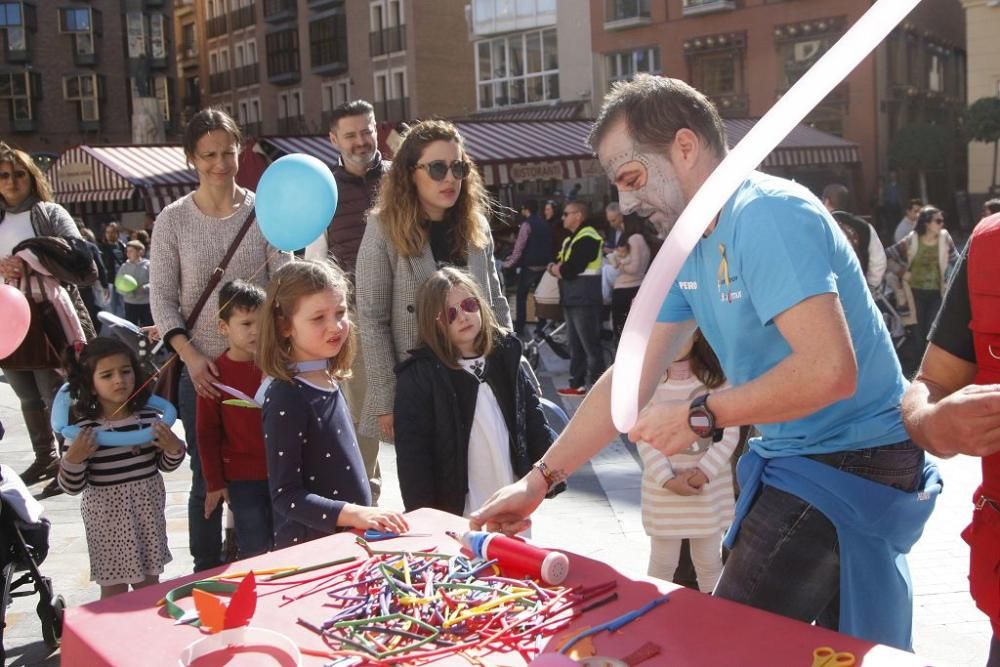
<point x="515" y="151"/>
<point x="118" y="179"/>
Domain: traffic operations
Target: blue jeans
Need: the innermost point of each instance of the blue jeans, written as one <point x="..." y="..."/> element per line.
<point x="204" y="535"/>
<point x="527" y="280"/>
<point x="250" y="501"/>
<point x="586" y="354"/>
<point x="786" y="559"/>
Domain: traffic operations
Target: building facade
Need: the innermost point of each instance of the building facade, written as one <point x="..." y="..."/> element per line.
<point x="982" y="19"/>
<point x="745" y="54"/>
<point x="99" y="72"/>
<point x="281" y="66"/>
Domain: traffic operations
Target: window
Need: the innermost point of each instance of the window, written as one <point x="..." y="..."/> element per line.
<point x="157" y="37"/>
<point x="626" y="10"/>
<point x="75" y="20"/>
<point x="381" y="87"/>
<point x="224" y="59"/>
<point x="336" y="93"/>
<point x="251" y="52"/>
<point x="84" y="90"/>
<point x="249" y="111"/>
<point x="519" y="69"/>
<point x="213" y="62"/>
<point x="290" y="104"/>
<point x="21" y="89"/>
<point x="162" y="87"/>
<point x="328" y="41"/>
<point x="626" y="64"/>
<point x="238" y="56"/>
<point x="935" y="81"/>
<point x="189" y="43"/>
<point x="135" y="28"/>
<point x="283" y="53"/>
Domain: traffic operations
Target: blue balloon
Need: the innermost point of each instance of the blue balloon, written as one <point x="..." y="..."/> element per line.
<point x="296" y="200"/>
<point x="61" y="425"/>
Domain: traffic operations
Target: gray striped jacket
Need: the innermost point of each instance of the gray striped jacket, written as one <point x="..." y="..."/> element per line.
<point x="386" y="299"/>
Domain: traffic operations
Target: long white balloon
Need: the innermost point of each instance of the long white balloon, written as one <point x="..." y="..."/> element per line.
<point x="860" y="40"/>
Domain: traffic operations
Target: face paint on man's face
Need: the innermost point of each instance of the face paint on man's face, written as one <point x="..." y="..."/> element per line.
<point x="654" y="192"/>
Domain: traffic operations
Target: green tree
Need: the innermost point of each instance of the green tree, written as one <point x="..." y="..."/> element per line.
<point x="982" y="123"/>
<point x="921" y="147"/>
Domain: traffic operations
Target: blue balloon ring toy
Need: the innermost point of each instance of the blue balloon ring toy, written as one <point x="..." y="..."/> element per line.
<point x="60" y="422"/>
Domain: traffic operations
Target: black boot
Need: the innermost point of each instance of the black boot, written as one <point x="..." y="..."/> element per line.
<point x="46" y="462"/>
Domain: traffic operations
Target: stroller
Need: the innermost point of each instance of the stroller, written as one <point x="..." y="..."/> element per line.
<point x="24" y="544"/>
<point x="553" y="333"/>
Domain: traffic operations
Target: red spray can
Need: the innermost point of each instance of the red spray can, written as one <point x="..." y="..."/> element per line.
<point x="516" y="558"/>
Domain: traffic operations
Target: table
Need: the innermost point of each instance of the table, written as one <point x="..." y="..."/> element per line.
<point x="691" y="629"/>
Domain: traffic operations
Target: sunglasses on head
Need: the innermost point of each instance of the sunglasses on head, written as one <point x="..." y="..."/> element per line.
<point x="18" y="175"/>
<point x="438" y="169"/>
<point x="470" y="305"/>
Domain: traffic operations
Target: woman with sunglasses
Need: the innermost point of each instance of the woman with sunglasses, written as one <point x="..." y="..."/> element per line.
<point x="28" y="211"/>
<point x="472" y="419"/>
<point x="922" y="260"/>
<point x="431" y="210"/>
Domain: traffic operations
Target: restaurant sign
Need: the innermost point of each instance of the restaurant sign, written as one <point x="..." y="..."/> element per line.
<point x="75" y="173"/>
<point x="536" y="171"/>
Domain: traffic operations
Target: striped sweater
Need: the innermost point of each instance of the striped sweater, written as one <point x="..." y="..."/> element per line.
<point x="117" y="465"/>
<point x="668" y="515"/>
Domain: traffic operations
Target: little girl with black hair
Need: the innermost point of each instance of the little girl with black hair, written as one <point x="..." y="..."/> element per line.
<point x="123" y="498"/>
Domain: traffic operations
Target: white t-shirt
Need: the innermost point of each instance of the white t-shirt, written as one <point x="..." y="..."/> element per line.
<point x="16" y="227"/>
<point x="489" y="442"/>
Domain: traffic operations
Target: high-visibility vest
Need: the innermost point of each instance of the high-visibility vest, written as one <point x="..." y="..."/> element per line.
<point x="594" y="265"/>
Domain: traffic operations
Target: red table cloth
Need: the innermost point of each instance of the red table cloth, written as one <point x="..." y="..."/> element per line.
<point x="691" y="629"/>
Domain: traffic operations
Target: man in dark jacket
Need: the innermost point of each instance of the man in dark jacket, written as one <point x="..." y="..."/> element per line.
<point x="354" y="135"/>
<point x="531" y="254"/>
<point x="579" y="273"/>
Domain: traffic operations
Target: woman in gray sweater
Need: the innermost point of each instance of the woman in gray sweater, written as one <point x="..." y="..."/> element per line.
<point x="431" y="210"/>
<point x="191" y="236"/>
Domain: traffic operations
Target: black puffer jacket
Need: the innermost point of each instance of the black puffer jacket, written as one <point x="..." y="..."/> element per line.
<point x="433" y="414"/>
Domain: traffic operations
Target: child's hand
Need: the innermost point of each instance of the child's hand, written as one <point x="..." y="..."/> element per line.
<point x="82" y="447"/>
<point x="165" y="439"/>
<point x="622" y="251"/>
<point x="363" y="518"/>
<point x="698" y="479"/>
<point x="681" y="484"/>
<point x="212" y="499"/>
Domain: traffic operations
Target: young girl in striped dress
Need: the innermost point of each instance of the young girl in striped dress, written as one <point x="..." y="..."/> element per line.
<point x="123" y="496"/>
<point x="689" y="495"/>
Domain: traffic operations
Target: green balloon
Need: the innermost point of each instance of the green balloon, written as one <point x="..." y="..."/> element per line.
<point x="126" y="284"/>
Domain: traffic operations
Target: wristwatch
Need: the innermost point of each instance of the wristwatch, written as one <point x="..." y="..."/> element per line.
<point x="701" y="419"/>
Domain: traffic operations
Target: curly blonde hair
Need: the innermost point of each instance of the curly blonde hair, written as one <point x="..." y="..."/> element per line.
<point x="288" y="287"/>
<point x="398" y="206"/>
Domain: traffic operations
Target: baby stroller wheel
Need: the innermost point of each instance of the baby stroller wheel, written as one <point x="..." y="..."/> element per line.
<point x="51" y="615"/>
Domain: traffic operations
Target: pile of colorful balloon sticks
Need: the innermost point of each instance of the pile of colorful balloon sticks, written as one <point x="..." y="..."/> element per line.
<point x="397" y="607"/>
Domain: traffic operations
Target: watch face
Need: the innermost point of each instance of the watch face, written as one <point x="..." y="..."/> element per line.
<point x="700" y="423"/>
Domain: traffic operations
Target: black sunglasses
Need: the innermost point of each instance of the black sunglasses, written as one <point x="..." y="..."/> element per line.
<point x="18" y="175"/>
<point x="470" y="305"/>
<point x="438" y="169"/>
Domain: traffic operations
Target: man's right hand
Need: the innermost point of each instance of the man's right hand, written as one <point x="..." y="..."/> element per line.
<point x="212" y="499"/>
<point x="508" y="510"/>
<point x="964" y="422"/>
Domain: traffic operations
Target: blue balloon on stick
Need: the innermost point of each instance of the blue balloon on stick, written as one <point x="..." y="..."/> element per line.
<point x="296" y="200"/>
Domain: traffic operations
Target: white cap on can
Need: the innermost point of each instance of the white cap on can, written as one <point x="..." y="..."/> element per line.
<point x="555" y="568"/>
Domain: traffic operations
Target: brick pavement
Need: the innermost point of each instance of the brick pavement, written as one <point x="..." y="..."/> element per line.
<point x="604" y="494"/>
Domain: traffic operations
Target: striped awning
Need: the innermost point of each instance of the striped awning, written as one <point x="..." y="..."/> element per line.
<point x="118" y="179"/>
<point x="515" y="151"/>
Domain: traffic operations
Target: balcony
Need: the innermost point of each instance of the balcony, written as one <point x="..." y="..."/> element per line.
<point x="216" y="26"/>
<point x="292" y="125"/>
<point x="624" y="14"/>
<point x="251" y="130"/>
<point x="248" y="75"/>
<point x="698" y="7"/>
<point x="219" y="82"/>
<point x="387" y="40"/>
<point x="393" y="110"/>
<point x="22" y="125"/>
<point x="276" y="11"/>
<point x="188" y="52"/>
<point x="731" y="105"/>
<point x="244" y="17"/>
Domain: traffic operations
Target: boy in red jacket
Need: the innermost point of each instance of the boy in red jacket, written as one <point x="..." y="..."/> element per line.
<point x="230" y="431"/>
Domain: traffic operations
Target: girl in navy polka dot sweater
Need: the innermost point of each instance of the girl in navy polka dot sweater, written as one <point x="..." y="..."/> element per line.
<point x="315" y="471"/>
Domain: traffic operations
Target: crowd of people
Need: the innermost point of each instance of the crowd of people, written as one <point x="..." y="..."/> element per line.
<point x="394" y="327"/>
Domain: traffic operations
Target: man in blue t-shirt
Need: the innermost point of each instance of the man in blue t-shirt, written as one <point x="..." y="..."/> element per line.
<point x="780" y="296"/>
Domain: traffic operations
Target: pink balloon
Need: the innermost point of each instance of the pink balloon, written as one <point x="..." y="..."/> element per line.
<point x="16" y="316"/>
